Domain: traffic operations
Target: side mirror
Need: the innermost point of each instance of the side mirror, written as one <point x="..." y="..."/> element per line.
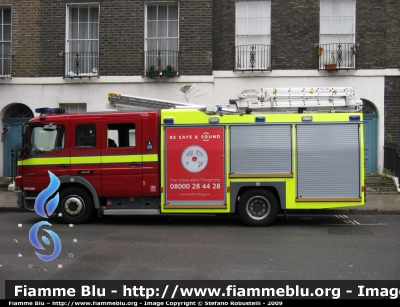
<point x="50" y="127"/>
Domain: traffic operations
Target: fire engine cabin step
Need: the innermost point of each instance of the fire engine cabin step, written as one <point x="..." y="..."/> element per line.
<point x="131" y="212"/>
<point x="132" y="206"/>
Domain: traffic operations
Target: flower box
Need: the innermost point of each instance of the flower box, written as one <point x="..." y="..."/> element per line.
<point x="157" y="73"/>
<point x="330" y="66"/>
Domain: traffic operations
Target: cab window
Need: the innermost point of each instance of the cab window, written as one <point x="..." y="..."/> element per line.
<point x="121" y="135"/>
<point x="85" y="136"/>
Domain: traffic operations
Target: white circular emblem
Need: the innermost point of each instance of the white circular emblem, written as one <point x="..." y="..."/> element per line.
<point x="194" y="159"/>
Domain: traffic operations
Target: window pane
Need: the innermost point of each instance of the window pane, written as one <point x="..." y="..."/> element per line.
<point x="263" y="28"/>
<point x="337" y="8"/>
<point x="348" y="25"/>
<point x="7" y="33"/>
<point x="241" y="27"/>
<point x="173" y="29"/>
<point x="7" y="16"/>
<point x="162" y="13"/>
<point x="173" y="12"/>
<point x="241" y="9"/>
<point x="152" y="44"/>
<point x="263" y="10"/>
<point x="173" y="44"/>
<point x="163" y="44"/>
<point x="325" y="24"/>
<point x="74" y="14"/>
<point x="86" y="136"/>
<point x="151" y="13"/>
<point x="94" y="46"/>
<point x="83" y="14"/>
<point x="336" y="26"/>
<point x="325" y="8"/>
<point x="253" y="26"/>
<point x="252" y="7"/>
<point x="73" y="31"/>
<point x="162" y="29"/>
<point x="348" y="8"/>
<point x="83" y="31"/>
<point x="1" y="37"/>
<point x="152" y="29"/>
<point x="94" y="14"/>
<point x="94" y="31"/>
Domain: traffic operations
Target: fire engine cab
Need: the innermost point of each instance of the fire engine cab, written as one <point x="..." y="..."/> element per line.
<point x="270" y="152"/>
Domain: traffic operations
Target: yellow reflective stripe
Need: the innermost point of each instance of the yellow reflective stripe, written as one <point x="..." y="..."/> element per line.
<point x="150" y="158"/>
<point x="45" y="161"/>
<point x="121" y="159"/>
<point x="85" y="160"/>
<point x="90" y="159"/>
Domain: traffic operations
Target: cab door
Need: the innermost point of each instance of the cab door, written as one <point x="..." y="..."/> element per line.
<point x="49" y="150"/>
<point x="121" y="156"/>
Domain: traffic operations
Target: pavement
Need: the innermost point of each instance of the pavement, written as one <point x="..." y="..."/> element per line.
<point x="383" y="203"/>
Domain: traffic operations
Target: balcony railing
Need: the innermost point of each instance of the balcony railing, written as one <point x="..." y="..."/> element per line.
<point x="392" y="158"/>
<point x="338" y="56"/>
<point x="81" y="64"/>
<point x="161" y="63"/>
<point x="253" y="57"/>
<point x="5" y="65"/>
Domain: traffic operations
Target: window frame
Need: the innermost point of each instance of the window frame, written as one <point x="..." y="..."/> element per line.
<point x="4" y="61"/>
<point x="166" y="57"/>
<point x="94" y="57"/>
<point x="259" y="48"/>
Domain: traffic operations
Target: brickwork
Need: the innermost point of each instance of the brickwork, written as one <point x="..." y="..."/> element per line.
<point x="195" y="37"/>
<point x="392" y="108"/>
<point x="25" y="37"/>
<point x="294" y="34"/>
<point x="377" y="30"/>
<point x="224" y="34"/>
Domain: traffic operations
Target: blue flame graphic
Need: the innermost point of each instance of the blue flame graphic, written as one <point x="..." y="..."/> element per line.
<point x="45" y="194"/>
<point x="40" y="210"/>
<point x="35" y="242"/>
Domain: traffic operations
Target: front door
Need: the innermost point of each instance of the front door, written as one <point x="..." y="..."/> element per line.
<point x="14" y="121"/>
<point x="370" y="143"/>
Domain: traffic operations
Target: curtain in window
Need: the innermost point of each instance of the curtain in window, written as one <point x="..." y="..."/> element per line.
<point x="162" y="35"/>
<point x="83" y="38"/>
<point x="337" y="21"/>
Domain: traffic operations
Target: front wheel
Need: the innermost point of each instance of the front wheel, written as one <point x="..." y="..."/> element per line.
<point x="75" y="205"/>
<point x="258" y="207"/>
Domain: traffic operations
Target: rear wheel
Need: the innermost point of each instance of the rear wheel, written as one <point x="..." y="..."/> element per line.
<point x="258" y="207"/>
<point x="75" y="205"/>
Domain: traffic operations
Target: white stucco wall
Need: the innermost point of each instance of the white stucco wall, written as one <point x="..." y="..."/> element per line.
<point x="219" y="88"/>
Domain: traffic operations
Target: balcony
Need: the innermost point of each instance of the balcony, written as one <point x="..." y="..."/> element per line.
<point x="161" y="63"/>
<point x="337" y="56"/>
<point x="253" y="58"/>
<point x="5" y="66"/>
<point x="81" y="64"/>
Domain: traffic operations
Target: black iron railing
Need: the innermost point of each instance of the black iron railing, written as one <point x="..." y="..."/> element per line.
<point x="161" y="63"/>
<point x="5" y="65"/>
<point x="253" y="57"/>
<point x="14" y="162"/>
<point x="81" y="64"/>
<point x="391" y="158"/>
<point x="338" y="56"/>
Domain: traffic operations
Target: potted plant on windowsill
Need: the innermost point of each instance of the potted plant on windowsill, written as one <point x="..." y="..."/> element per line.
<point x="168" y="71"/>
<point x="331" y="64"/>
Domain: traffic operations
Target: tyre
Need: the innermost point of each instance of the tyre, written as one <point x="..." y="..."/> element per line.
<point x="75" y="205"/>
<point x="258" y="207"/>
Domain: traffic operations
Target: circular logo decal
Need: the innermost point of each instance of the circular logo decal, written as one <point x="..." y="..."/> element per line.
<point x="194" y="159"/>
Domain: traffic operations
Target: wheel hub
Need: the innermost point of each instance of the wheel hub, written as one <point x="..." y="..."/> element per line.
<point x="258" y="208"/>
<point x="73" y="205"/>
